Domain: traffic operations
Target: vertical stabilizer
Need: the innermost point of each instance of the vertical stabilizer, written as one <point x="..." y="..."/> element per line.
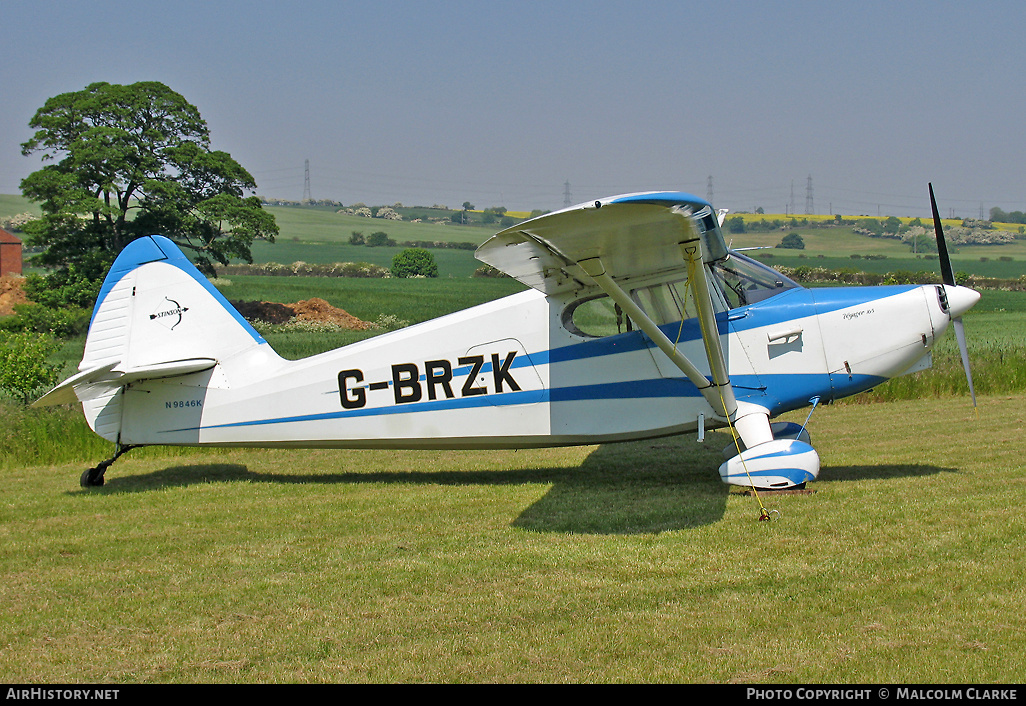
<point x="156" y="307"/>
<point x="156" y="316"/>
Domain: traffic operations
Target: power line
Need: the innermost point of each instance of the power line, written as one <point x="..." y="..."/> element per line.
<point x="306" y="183"/>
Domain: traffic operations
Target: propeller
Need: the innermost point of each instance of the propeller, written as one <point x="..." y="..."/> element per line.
<point x="949" y="279"/>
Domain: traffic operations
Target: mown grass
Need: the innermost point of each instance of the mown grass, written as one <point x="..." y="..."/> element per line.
<point x="623" y="563"/>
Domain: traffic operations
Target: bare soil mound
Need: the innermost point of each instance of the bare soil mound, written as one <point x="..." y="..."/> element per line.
<point x="319" y="310"/>
<point x="308" y="310"/>
<point x="11" y="294"/>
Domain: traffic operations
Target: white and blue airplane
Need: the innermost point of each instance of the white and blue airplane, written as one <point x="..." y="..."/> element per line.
<point x="638" y="322"/>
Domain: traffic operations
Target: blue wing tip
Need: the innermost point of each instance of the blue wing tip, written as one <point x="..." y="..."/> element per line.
<point x="669" y="198"/>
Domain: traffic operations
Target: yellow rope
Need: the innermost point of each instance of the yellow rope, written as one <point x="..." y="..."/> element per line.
<point x="684" y="299"/>
<point x="764" y="514"/>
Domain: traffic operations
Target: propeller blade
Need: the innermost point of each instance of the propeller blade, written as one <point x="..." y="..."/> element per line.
<point x="949" y="279"/>
<point x="942" y="248"/>
<point x="960" y="335"/>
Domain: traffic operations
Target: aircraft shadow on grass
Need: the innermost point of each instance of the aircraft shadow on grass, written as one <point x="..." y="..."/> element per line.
<point x="642" y="487"/>
<point x="835" y="474"/>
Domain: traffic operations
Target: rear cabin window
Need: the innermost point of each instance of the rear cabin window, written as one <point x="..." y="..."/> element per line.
<point x="597" y="316"/>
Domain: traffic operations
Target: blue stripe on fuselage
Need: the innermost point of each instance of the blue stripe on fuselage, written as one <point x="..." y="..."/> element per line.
<point x="799" y="302"/>
<point x="657" y="388"/>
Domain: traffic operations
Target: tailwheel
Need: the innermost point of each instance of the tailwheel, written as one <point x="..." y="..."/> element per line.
<point x="93" y="477"/>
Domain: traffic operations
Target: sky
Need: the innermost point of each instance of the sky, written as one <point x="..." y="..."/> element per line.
<point x="517" y="104"/>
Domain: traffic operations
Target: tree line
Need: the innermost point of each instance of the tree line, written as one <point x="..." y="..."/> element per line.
<point x="999" y="216"/>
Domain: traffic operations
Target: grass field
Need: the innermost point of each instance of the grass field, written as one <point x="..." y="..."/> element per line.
<point x="833" y="248"/>
<point x="315" y="236"/>
<point x="318" y="235"/>
<point x="451" y="262"/>
<point x="613" y="563"/>
<point x="622" y="563"/>
<point x="325" y="226"/>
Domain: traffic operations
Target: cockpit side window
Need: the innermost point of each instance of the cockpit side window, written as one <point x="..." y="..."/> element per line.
<point x="664" y="303"/>
<point x="737" y="281"/>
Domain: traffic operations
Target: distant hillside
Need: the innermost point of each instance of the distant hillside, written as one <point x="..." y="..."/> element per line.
<point x="326" y="226"/>
<point x="13" y="205"/>
<point x="319" y="234"/>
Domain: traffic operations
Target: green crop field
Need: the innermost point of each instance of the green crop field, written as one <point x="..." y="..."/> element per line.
<point x="451" y="262"/>
<point x="320" y="235"/>
<point x="839" y="247"/>
<point x="988" y="266"/>
<point x="326" y="226"/>
<point x="310" y="235"/>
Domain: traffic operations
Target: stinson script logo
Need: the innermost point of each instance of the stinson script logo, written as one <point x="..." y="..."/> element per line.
<point x="170" y="316"/>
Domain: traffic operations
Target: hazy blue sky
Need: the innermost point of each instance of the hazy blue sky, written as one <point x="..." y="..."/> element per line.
<point x="500" y="103"/>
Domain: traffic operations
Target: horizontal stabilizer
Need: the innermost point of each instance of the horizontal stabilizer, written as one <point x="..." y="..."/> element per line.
<point x="100" y="380"/>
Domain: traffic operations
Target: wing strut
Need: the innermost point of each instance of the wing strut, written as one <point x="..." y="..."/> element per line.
<point x="750" y="420"/>
<point x="692" y="252"/>
<point x="717" y="393"/>
<point x="594" y="268"/>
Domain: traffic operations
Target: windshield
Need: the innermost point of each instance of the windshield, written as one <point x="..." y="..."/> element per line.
<point x="742" y="281"/>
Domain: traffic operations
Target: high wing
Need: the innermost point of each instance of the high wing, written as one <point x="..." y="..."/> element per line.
<point x="605" y="244"/>
<point x="634" y="235"/>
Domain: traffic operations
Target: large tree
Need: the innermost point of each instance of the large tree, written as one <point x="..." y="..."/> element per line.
<point x="130" y="161"/>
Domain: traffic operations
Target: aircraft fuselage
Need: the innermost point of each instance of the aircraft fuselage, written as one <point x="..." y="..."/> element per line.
<point x="513" y="373"/>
